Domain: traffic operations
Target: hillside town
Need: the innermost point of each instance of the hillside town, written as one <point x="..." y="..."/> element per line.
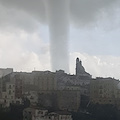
<point x="56" y="95"/>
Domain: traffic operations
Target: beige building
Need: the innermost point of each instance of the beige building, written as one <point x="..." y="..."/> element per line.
<point x="34" y="81"/>
<point x="8" y="96"/>
<point x="44" y="80"/>
<point x="103" y="90"/>
<point x="10" y="91"/>
<point x="38" y="81"/>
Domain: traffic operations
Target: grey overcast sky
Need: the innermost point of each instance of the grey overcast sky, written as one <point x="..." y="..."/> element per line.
<point x="94" y="36"/>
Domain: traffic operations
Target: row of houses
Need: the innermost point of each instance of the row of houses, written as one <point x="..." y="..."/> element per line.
<point x="40" y="87"/>
<point x="45" y="88"/>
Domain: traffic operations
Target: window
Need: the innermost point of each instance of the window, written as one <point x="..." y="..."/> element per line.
<point x="4" y="101"/>
<point x="17" y="102"/>
<point x="9" y="92"/>
<point x="85" y="92"/>
<point x="9" y="86"/>
<point x="29" y="112"/>
<point x="100" y="92"/>
<point x="100" y="87"/>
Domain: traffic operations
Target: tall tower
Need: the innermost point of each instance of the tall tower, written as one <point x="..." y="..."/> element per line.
<point x="79" y="68"/>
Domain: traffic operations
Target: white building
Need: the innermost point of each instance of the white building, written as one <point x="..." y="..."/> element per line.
<point x="60" y="115"/>
<point x="42" y="114"/>
<point x="34" y="114"/>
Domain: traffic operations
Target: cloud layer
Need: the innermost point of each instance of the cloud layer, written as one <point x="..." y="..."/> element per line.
<point x="20" y="51"/>
<point x="15" y="53"/>
<point x="81" y="11"/>
<point x="22" y="47"/>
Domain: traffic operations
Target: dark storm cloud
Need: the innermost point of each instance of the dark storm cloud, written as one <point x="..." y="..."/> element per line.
<point x="81" y="11"/>
<point x="34" y="7"/>
<point x="10" y="19"/>
<point x="86" y="11"/>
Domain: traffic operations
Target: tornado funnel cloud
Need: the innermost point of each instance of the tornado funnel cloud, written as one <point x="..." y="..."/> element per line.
<point x="58" y="21"/>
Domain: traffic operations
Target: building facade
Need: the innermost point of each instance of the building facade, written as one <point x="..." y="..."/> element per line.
<point x="68" y="100"/>
<point x="103" y="90"/>
<point x="4" y="72"/>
